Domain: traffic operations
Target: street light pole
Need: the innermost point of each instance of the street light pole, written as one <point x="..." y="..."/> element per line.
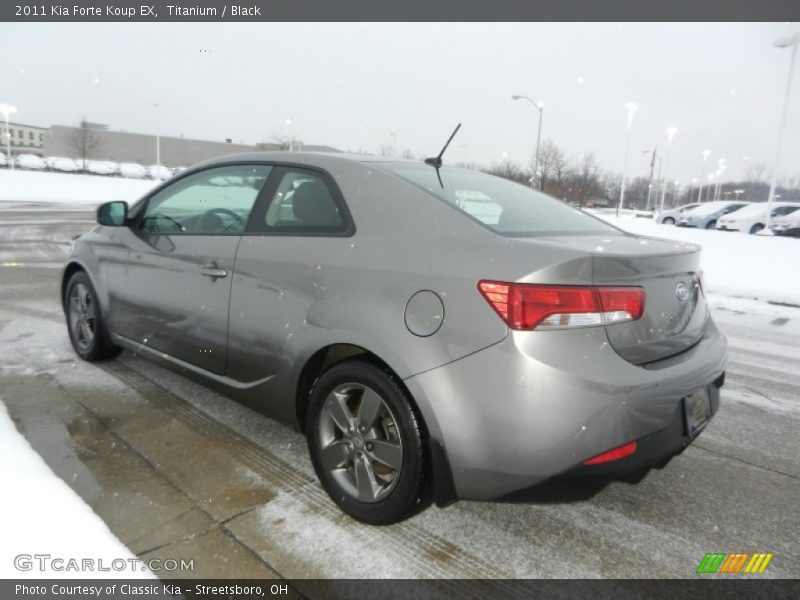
<point x="8" y="110"/>
<point x="631" y="107"/>
<point x="792" y="42"/>
<point x="158" y="137"/>
<point x="670" y="131"/>
<point x="705" y="153"/>
<point x="540" y="107"/>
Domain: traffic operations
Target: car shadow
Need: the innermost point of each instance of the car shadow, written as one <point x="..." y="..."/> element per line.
<point x="566" y="489"/>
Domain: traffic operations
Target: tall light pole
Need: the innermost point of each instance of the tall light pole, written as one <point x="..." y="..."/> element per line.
<point x="711" y="177"/>
<point x="631" y="107"/>
<point x="540" y="107"/>
<point x="705" y="153"/>
<point x="289" y="122"/>
<point x="7" y="110"/>
<point x="670" y="131"/>
<point x="158" y="137"/>
<point x="394" y="142"/>
<point x="788" y="42"/>
<point x="721" y="166"/>
<point x="691" y="190"/>
<point x="652" y="153"/>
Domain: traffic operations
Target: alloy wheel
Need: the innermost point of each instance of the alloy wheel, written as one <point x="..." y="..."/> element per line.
<point x="360" y="442"/>
<point x="82" y="316"/>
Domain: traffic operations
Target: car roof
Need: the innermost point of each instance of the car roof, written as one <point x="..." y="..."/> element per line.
<point x="311" y="158"/>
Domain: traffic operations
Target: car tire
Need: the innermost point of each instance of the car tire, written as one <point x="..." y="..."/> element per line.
<point x="85" y="323"/>
<point x="711" y="225"/>
<point x="756" y="228"/>
<point x="668" y="221"/>
<point x="344" y="443"/>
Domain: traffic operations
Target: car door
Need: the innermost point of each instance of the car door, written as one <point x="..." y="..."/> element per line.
<point x="176" y="289"/>
<point x="299" y="223"/>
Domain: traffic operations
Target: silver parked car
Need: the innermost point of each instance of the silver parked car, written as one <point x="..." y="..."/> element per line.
<point x="706" y="215"/>
<point x="669" y="217"/>
<point x="437" y="333"/>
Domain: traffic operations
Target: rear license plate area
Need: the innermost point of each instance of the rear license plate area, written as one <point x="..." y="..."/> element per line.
<point x="696" y="411"/>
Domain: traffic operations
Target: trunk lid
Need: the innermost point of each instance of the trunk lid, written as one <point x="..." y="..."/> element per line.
<point x="675" y="310"/>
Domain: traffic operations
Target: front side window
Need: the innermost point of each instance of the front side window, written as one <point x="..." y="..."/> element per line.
<point x="303" y="202"/>
<point x="502" y="206"/>
<point x="214" y="201"/>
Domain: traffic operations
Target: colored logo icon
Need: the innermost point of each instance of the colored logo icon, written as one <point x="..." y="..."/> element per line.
<point x="734" y="563"/>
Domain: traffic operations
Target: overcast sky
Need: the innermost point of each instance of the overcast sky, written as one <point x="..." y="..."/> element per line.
<point x="351" y="85"/>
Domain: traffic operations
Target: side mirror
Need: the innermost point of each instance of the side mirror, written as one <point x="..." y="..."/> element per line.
<point x="112" y="214"/>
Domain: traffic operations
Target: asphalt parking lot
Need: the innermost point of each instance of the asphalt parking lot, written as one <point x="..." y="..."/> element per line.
<point x="177" y="470"/>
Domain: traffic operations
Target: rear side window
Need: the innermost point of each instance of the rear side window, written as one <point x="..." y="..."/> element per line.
<point x="303" y="202"/>
<point x="503" y="206"/>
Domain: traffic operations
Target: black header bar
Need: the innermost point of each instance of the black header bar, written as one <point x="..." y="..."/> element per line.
<point x="397" y="10"/>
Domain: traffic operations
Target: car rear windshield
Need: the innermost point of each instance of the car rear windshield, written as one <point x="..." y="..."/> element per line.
<point x="505" y="207"/>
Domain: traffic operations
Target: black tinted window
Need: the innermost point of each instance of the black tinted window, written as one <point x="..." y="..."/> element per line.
<point x="303" y="202"/>
<point x="501" y="205"/>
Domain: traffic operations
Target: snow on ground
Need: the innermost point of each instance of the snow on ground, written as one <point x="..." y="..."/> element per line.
<point x="69" y="188"/>
<point x="734" y="264"/>
<point x="44" y="516"/>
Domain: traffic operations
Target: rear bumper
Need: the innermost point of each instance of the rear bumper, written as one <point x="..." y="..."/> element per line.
<point x="655" y="447"/>
<point x="538" y="404"/>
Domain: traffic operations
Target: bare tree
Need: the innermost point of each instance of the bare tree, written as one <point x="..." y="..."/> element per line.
<point x="83" y="141"/>
<point x="552" y="163"/>
<point x="386" y="150"/>
<point x="611" y="183"/>
<point x="286" y="141"/>
<point x="586" y="179"/>
<point x="508" y="169"/>
<point x="408" y="154"/>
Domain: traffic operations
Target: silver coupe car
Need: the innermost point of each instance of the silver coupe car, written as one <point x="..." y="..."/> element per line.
<point x="436" y="333"/>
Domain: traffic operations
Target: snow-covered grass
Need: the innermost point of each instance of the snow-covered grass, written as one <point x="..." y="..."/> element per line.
<point x="66" y="188"/>
<point x="734" y="264"/>
<point x="42" y="515"/>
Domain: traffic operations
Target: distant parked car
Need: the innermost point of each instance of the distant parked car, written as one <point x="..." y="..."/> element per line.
<point x="788" y="225"/>
<point x="669" y="217"/>
<point x="158" y="172"/>
<point x="59" y="163"/>
<point x="706" y="215"/>
<point x="102" y="167"/>
<point x="132" y="171"/>
<point x="30" y="161"/>
<point x="751" y="219"/>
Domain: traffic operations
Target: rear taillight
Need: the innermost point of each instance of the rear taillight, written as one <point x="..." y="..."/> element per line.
<point x="526" y="306"/>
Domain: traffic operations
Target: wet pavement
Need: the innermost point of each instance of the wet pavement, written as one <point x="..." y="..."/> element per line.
<point x="179" y="471"/>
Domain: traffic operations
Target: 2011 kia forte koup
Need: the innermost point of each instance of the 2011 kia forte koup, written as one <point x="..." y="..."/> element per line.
<point x="435" y="332"/>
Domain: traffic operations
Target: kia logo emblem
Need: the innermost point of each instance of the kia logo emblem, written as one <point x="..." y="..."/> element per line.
<point x="682" y="292"/>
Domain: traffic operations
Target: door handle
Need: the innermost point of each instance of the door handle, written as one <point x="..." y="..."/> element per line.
<point x="212" y="270"/>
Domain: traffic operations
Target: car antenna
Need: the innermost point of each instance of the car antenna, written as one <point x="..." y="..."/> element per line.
<point x="436" y="161"/>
